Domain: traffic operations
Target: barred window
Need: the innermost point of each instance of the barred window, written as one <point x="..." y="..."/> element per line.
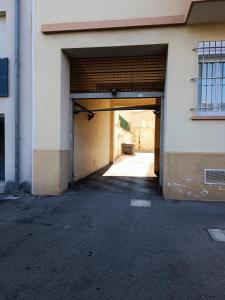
<point x="211" y="77"/>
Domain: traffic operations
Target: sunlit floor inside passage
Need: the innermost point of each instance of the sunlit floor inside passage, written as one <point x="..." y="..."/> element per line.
<point x="138" y="165"/>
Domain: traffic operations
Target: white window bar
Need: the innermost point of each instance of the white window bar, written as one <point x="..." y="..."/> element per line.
<point x="211" y="78"/>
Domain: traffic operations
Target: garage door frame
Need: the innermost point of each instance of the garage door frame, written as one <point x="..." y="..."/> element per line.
<point x="128" y="95"/>
<point x="116" y="95"/>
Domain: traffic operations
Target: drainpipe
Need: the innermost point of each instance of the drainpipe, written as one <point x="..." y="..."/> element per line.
<point x="17" y="93"/>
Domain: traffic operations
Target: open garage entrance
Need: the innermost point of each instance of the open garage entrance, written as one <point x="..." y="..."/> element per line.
<point x="134" y="137"/>
<point x="108" y="87"/>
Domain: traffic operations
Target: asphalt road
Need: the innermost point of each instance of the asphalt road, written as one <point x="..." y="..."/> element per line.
<point x="90" y="244"/>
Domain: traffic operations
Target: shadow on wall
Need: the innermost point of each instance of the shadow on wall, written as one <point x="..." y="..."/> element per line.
<point x="92" y="139"/>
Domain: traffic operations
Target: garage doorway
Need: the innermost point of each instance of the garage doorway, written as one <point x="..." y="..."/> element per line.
<point x="133" y="79"/>
<point x="99" y="141"/>
<point x="134" y="137"/>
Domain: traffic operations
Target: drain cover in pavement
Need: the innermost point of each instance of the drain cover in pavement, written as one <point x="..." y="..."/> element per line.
<point x="12" y="197"/>
<point x="140" y="203"/>
<point x="217" y="235"/>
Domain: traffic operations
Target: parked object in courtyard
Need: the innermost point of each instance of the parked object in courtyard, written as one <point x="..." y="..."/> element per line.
<point x="128" y="149"/>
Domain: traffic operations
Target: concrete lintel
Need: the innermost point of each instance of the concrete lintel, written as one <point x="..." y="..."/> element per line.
<point x="119" y="95"/>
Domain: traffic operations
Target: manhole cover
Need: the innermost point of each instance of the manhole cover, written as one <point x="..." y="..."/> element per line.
<point x="140" y="203"/>
<point x="217" y="235"/>
<point x="12" y="197"/>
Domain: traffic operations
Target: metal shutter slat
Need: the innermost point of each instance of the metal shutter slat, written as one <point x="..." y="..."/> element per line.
<point x="136" y="73"/>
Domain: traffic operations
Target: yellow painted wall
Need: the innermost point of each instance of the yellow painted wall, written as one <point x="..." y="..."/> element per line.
<point x="92" y="139"/>
<point x="88" y="10"/>
<point x="143" y="139"/>
<point x="121" y="136"/>
<point x="143" y="130"/>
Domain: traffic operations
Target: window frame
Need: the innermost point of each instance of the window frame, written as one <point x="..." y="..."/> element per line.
<point x="4" y="34"/>
<point x="215" y="59"/>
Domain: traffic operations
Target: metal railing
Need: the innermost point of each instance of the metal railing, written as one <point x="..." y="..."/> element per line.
<point x="211" y="77"/>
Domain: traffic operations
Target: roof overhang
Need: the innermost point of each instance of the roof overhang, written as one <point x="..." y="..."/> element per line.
<point x="206" y="11"/>
<point x="196" y="12"/>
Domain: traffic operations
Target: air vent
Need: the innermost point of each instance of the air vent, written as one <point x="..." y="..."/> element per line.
<point x="215" y="176"/>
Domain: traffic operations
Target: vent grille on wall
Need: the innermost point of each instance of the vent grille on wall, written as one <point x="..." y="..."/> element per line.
<point x="215" y="176"/>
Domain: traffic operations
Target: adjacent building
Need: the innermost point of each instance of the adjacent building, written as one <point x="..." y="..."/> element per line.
<point x="15" y="161"/>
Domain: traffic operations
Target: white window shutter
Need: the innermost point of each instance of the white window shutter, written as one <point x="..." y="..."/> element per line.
<point x="2" y="37"/>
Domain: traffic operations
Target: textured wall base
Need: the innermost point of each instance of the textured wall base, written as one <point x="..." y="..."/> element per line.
<point x="51" y="171"/>
<point x="184" y="176"/>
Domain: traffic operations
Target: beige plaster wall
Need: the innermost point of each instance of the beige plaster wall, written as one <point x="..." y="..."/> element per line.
<point x="121" y="136"/>
<point x="88" y="10"/>
<point x="92" y="140"/>
<point x="51" y="171"/>
<point x="143" y="130"/>
<point x="143" y="119"/>
<point x="52" y="127"/>
<point x="143" y="139"/>
<point x="184" y="176"/>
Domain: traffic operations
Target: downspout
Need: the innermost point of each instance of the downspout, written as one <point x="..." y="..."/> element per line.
<point x="33" y="87"/>
<point x="17" y="93"/>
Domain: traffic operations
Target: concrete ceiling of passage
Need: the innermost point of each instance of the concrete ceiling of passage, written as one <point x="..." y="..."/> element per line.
<point x="207" y="12"/>
<point x="122" y="51"/>
<point x="121" y="102"/>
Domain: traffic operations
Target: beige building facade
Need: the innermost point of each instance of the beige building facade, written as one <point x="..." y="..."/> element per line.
<point x="186" y="137"/>
<point x="192" y="147"/>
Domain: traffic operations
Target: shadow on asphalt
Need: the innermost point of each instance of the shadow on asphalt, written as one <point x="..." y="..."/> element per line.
<point x="118" y="184"/>
<point x="88" y="243"/>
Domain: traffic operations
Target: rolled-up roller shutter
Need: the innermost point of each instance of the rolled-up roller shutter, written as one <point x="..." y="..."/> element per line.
<point x="125" y="74"/>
